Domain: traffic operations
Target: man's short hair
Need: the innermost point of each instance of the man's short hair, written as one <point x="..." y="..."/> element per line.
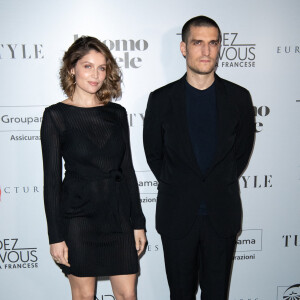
<point x="198" y="21"/>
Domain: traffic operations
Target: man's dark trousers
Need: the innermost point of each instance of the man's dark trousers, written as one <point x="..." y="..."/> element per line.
<point x="201" y="256"/>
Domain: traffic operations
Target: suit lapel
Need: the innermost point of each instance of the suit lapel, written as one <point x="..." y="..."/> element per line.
<point x="224" y="117"/>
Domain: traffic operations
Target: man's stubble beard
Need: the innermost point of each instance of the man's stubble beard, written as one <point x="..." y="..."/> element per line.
<point x="199" y="72"/>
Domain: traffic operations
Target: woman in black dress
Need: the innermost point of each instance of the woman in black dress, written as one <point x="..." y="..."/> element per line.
<point x="96" y="226"/>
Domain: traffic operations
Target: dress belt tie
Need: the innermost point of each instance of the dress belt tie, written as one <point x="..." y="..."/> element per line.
<point x="116" y="176"/>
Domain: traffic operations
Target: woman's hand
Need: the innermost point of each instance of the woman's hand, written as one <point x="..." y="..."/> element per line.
<point x="140" y="240"/>
<point x="59" y="253"/>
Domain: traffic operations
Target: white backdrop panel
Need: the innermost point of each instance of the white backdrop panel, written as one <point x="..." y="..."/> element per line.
<point x="260" y="51"/>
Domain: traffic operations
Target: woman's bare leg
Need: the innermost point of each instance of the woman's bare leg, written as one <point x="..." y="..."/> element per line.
<point x="124" y="286"/>
<point x="83" y="288"/>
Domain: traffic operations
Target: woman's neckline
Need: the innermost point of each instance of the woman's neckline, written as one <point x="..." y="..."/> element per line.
<point x="84" y="107"/>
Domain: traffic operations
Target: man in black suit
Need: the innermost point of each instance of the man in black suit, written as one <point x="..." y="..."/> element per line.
<point x="198" y="137"/>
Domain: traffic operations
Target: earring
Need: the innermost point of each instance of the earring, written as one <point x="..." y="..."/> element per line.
<point x="73" y="77"/>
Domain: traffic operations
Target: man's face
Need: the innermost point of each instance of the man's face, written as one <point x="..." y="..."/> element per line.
<point x="201" y="50"/>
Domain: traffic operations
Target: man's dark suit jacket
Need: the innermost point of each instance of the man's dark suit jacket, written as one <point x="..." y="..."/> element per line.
<point x="171" y="158"/>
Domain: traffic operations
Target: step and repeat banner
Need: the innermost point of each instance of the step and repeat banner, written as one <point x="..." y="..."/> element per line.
<point x="260" y="51"/>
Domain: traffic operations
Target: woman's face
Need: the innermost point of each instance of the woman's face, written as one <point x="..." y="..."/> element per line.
<point x="90" y="72"/>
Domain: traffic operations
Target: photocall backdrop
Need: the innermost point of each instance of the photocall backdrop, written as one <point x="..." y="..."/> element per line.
<point x="260" y="51"/>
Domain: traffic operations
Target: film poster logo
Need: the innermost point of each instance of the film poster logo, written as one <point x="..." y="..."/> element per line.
<point x="136" y="119"/>
<point x="105" y="297"/>
<point x="6" y="191"/>
<point x="127" y="51"/>
<point x="236" y="54"/>
<point x="256" y="181"/>
<point x="13" y="255"/>
<point x="248" y="243"/>
<point x="152" y="248"/>
<point x="288" y="49"/>
<point x="247" y="298"/>
<point x="21" y="51"/>
<point x="21" y="123"/>
<point x="147" y="188"/>
<point x="261" y="112"/>
<point x="291" y="240"/>
<point x="288" y="292"/>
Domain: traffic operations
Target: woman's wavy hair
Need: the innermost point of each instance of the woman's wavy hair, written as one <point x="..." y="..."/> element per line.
<point x="111" y="87"/>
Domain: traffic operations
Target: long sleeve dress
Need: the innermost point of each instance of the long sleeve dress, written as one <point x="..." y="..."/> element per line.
<point x="95" y="208"/>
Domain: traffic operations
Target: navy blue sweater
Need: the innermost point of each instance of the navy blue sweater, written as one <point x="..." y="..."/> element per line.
<point x="202" y="123"/>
